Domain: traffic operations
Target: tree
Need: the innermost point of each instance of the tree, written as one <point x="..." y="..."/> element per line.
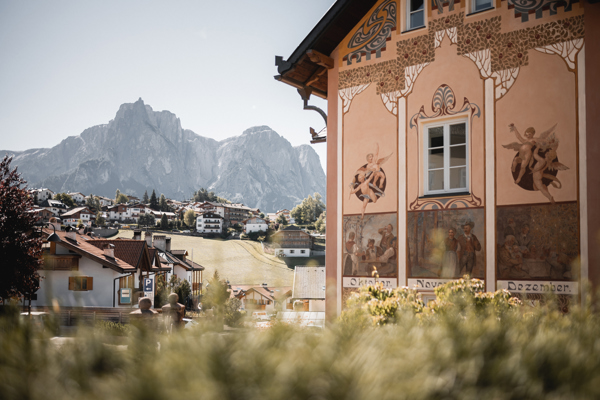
<point x="153" y="201"/>
<point x="145" y="198"/>
<point x="189" y="218"/>
<point x="281" y="220"/>
<point x="20" y="249"/>
<point x="262" y="215"/>
<point x="163" y="203"/>
<point x="117" y="193"/>
<point x="121" y="199"/>
<point x="100" y="219"/>
<point x="164" y="222"/>
<point x="216" y="293"/>
<point x="93" y="203"/>
<point x="65" y="199"/>
<point x="309" y="210"/>
<point x="320" y="225"/>
<point x="147" y="220"/>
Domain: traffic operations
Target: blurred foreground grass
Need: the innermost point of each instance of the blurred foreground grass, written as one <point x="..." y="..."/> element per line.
<point x="466" y="352"/>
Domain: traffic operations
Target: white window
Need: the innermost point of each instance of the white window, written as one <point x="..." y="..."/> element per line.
<point x="415" y="14"/>
<point x="291" y="251"/>
<point x="480" y="5"/>
<point x="303" y="251"/>
<point x="446" y="157"/>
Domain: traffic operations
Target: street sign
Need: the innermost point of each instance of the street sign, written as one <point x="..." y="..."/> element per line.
<point x="125" y="296"/>
<point x="148" y="284"/>
<point x="149" y="289"/>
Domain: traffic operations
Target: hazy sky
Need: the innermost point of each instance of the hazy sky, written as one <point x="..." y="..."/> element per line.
<point x="69" y="65"/>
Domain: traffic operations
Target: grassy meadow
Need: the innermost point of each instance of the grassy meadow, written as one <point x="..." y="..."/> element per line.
<point x="239" y="261"/>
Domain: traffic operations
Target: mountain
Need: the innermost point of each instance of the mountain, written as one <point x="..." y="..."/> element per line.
<point x="142" y="149"/>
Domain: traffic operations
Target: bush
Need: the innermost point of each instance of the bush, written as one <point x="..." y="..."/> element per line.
<point x="243" y="236"/>
<point x="232" y="316"/>
<point x="460" y="353"/>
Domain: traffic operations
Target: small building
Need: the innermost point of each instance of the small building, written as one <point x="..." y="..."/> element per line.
<point x="80" y="213"/>
<point x="57" y="208"/>
<point x="255" y="224"/>
<point x="209" y="222"/>
<point x="77" y="197"/>
<point x="292" y="242"/>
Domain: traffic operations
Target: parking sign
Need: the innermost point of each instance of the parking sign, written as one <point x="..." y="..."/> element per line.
<point x="148" y="284"/>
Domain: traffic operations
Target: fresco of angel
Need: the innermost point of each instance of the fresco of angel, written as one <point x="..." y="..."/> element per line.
<point x="547" y="163"/>
<point x="524" y="147"/>
<point x="369" y="180"/>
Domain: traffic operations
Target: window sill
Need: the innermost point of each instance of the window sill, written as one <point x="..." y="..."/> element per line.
<point x="455" y="194"/>
<point x="413" y="29"/>
<point x="480" y="11"/>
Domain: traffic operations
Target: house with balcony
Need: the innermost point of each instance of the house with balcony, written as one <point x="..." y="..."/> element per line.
<point x="209" y="222"/>
<point x="292" y="242"/>
<point x="76" y="273"/>
<point x="77" y="197"/>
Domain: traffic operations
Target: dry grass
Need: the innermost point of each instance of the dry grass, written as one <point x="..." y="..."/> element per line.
<point x="241" y="262"/>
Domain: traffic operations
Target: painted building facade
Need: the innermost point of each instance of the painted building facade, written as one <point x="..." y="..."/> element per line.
<point x="460" y="140"/>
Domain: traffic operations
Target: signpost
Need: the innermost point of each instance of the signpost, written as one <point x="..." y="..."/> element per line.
<point x="149" y="289"/>
<point x="125" y="296"/>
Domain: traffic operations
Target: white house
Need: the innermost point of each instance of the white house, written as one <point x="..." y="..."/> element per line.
<point x="105" y="201"/>
<point x="42" y="194"/>
<point x="76" y="273"/>
<point x="292" y="242"/>
<point x="255" y="224"/>
<point x="77" y="197"/>
<point x="57" y="208"/>
<point x="80" y="213"/>
<point x="209" y="222"/>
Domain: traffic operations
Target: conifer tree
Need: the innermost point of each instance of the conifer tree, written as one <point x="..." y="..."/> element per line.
<point x="153" y="201"/>
<point x="146" y="199"/>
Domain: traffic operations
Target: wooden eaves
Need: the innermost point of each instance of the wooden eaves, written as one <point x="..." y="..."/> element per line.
<point x="307" y="66"/>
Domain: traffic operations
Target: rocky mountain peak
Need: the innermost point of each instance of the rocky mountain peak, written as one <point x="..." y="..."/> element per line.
<point x="142" y="149"/>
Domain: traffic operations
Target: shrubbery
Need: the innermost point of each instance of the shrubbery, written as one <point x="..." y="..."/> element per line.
<point x="466" y="345"/>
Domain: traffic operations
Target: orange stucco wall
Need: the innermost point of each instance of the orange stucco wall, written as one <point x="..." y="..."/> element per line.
<point x="488" y="65"/>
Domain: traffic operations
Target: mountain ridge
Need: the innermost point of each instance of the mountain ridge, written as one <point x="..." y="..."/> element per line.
<point x="142" y="149"/>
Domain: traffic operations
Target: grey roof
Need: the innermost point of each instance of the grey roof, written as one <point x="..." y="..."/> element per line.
<point x="309" y="283"/>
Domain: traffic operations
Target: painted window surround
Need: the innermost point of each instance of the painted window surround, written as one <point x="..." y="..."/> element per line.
<point x="446" y="124"/>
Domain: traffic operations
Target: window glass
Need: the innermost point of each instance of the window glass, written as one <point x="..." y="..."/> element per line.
<point x="416" y="12"/>
<point x="479" y="5"/>
<point x="436" y="180"/>
<point x="446" y="158"/>
<point x="458" y="156"/>
<point x="457" y="134"/>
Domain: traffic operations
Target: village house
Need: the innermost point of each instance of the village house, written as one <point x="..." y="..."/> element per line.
<point x="255" y="224"/>
<point x="57" y="208"/>
<point x="76" y="273"/>
<point x="468" y="128"/>
<point x="77" y="197"/>
<point x="286" y="213"/>
<point x="209" y="222"/>
<point x="41" y="214"/>
<point x="262" y="297"/>
<point x="292" y="242"/>
<point x="84" y="214"/>
<point x="42" y="194"/>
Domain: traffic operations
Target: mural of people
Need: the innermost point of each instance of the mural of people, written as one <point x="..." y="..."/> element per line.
<point x="536" y="165"/>
<point x="369" y="180"/>
<point x="469" y="244"/>
<point x="450" y="261"/>
<point x="544" y="247"/>
<point x="446" y="243"/>
<point x="371" y="246"/>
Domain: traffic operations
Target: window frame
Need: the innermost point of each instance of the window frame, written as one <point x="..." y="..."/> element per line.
<point x="446" y="126"/>
<point x="408" y="14"/>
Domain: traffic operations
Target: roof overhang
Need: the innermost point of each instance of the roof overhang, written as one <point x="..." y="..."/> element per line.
<point x="306" y="68"/>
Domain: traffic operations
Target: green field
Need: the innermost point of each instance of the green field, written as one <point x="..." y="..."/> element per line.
<point x="241" y="262"/>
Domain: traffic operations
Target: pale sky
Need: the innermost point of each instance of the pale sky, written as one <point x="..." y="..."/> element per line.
<point x="68" y="65"/>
